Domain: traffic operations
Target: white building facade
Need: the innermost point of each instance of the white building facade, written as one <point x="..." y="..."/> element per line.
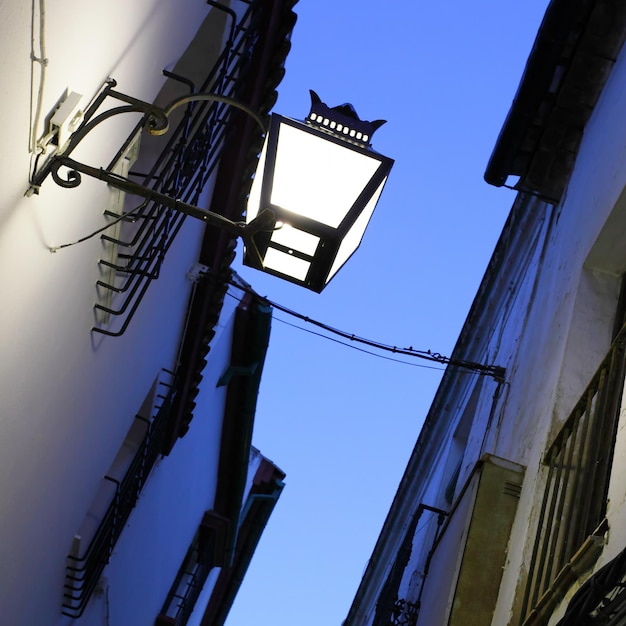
<point x="131" y="356"/>
<point x="512" y="508"/>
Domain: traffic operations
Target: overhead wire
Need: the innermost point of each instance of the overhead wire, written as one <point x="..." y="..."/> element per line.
<point x="36" y="101"/>
<point x="469" y="366"/>
<point x="348" y="345"/>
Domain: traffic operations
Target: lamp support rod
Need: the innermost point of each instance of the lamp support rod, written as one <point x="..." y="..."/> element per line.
<point x="263" y="222"/>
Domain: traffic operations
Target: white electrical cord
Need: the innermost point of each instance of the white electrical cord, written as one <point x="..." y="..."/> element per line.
<point x="42" y="60"/>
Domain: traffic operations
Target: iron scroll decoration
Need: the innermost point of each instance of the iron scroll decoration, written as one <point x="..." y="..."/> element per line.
<point x="340" y="124"/>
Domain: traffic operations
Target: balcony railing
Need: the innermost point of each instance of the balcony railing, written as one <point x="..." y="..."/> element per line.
<point x="84" y="566"/>
<point x="578" y="465"/>
<point x="201" y="558"/>
<point x="188" y="584"/>
<point x="136" y="247"/>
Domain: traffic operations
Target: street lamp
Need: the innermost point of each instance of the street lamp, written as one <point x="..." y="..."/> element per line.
<point x="312" y="197"/>
<point x="321" y="180"/>
<point x="314" y="192"/>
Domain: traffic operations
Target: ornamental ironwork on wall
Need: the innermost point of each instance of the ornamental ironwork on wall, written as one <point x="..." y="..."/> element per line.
<point x="136" y="246"/>
<point x="403" y="613"/>
<point x="204" y="553"/>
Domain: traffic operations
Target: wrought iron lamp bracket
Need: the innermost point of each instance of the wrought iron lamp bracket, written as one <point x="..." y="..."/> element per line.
<point x="156" y="122"/>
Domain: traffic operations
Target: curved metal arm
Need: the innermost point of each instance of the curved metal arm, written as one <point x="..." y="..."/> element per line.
<point x="211" y="97"/>
<point x="156" y="123"/>
<point x="157" y="119"/>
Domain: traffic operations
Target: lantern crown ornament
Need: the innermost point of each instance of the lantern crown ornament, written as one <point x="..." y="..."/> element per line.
<point x="341" y="121"/>
<point x="321" y="180"/>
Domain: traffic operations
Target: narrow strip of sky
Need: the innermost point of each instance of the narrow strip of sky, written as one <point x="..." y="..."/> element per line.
<point x="339" y="423"/>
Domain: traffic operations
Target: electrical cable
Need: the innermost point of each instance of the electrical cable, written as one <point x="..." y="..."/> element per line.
<point x="353" y="347"/>
<point x="121" y="218"/>
<point x="410" y="351"/>
<point x="343" y="343"/>
<point x="43" y="62"/>
<point x="491" y="370"/>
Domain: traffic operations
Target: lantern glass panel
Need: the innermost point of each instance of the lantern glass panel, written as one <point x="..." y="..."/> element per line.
<point x="353" y="237"/>
<point x="254" y="199"/>
<point x="286" y="264"/>
<point x="295" y="239"/>
<point x="317" y="178"/>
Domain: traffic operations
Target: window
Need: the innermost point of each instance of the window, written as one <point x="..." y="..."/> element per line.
<point x="94" y="542"/>
<point x="577" y="464"/>
<point x="205" y="552"/>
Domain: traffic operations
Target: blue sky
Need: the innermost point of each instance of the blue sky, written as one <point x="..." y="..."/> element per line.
<point x="339" y="421"/>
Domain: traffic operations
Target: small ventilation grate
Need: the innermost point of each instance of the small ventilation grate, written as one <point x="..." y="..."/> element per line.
<point x="511" y="489"/>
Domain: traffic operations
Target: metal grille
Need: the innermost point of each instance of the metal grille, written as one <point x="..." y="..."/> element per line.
<point x="137" y="248"/>
<point x="403" y="613"/>
<point x="83" y="570"/>
<point x="601" y="601"/>
<point x="190" y="579"/>
<point x="578" y="465"/>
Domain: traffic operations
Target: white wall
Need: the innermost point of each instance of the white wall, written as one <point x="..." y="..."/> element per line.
<point x="68" y="395"/>
<point x="547" y="317"/>
<point x="570" y="324"/>
<point x="180" y="489"/>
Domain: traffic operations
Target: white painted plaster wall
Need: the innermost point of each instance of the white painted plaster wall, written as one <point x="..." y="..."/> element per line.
<point x="570" y="322"/>
<point x="548" y="319"/>
<point x="68" y="396"/>
<point x="179" y="490"/>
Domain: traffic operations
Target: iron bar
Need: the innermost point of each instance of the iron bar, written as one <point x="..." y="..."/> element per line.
<point x="190" y="579"/>
<point x="578" y="462"/>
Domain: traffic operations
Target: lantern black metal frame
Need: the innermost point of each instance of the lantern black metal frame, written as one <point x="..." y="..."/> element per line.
<point x="330" y="238"/>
